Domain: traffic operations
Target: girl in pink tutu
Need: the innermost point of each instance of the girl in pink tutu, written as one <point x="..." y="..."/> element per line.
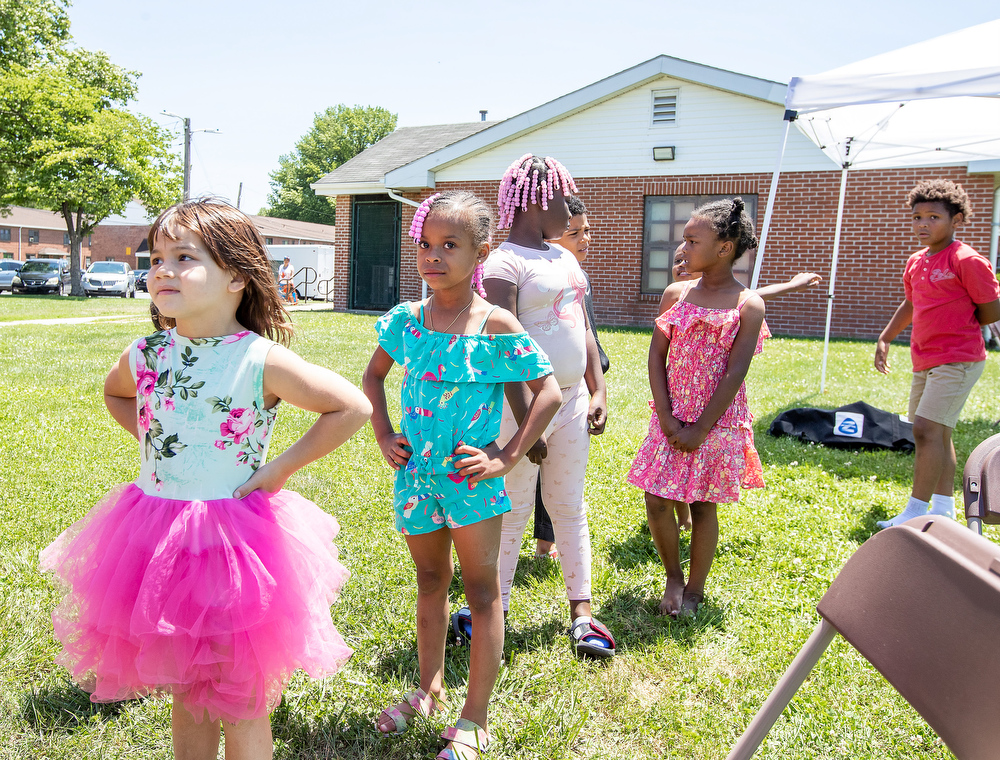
<point x="203" y="578"/>
<point x="700" y="449"/>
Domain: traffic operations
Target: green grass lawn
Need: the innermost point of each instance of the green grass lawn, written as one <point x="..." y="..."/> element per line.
<point x="20" y="307"/>
<point x="677" y="689"/>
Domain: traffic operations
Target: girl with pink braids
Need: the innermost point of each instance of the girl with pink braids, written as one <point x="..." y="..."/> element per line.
<point x="542" y="284"/>
<point x="205" y="579"/>
<point x="457" y="351"/>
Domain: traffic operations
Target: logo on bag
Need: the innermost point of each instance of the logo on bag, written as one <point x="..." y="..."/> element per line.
<point x="849" y="424"/>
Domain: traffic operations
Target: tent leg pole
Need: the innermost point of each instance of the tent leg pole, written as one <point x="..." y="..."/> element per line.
<point x="783" y="692"/>
<point x="771" y="194"/>
<point x="833" y="275"/>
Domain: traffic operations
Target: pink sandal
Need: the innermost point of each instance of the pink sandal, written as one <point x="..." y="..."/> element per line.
<point x="468" y="741"/>
<point x="422" y="704"/>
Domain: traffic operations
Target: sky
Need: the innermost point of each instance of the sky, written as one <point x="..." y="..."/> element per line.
<point x="259" y="72"/>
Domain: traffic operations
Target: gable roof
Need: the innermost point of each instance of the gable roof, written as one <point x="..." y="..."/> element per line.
<point x="270" y="226"/>
<point x="32" y="218"/>
<point x="419" y="173"/>
<point x="396" y="149"/>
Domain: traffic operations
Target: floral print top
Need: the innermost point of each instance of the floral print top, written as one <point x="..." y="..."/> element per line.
<point x="203" y="428"/>
<point x="453" y="385"/>
<point x="700" y="342"/>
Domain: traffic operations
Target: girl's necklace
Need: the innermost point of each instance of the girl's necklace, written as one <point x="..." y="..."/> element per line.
<point x="430" y="315"/>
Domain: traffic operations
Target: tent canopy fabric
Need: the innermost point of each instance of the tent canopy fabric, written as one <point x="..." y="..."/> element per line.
<point x="933" y="103"/>
<point x="929" y="104"/>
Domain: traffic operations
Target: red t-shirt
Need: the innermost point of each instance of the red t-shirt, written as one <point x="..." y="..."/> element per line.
<point x="945" y="289"/>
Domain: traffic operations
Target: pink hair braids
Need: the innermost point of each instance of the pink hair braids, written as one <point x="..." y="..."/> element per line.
<point x="477" y="280"/>
<point x="531" y="179"/>
<point x="417" y="225"/>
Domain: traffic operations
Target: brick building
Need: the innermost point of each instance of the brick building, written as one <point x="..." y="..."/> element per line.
<point x="723" y="129"/>
<point x="123" y="238"/>
<point x="28" y="233"/>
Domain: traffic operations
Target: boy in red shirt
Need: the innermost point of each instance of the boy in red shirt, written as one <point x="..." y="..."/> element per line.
<point x="950" y="292"/>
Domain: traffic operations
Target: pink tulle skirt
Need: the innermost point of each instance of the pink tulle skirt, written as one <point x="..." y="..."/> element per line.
<point x="216" y="602"/>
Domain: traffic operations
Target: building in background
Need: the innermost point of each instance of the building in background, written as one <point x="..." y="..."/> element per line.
<point x="27" y="233"/>
<point x="646" y="146"/>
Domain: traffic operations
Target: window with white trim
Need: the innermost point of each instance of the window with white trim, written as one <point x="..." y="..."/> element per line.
<point x="663" y="231"/>
<point x="664" y="107"/>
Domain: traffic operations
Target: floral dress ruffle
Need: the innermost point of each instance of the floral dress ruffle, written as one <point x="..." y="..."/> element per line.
<point x="700" y="342"/>
<point x="453" y="385"/>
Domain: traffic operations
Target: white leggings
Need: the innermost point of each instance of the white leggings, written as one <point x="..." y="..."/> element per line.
<point x="562" y="473"/>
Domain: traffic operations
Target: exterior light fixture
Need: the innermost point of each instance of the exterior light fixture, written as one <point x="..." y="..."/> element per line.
<point x="664" y="153"/>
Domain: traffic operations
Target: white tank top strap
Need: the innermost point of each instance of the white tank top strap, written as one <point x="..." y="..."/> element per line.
<point x="482" y="327"/>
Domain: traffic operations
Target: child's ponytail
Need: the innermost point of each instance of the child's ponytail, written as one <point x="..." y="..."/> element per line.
<point x="730" y="221"/>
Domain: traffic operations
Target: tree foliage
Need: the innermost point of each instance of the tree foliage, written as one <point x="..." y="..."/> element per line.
<point x="337" y="135"/>
<point x="32" y="31"/>
<point x="68" y="145"/>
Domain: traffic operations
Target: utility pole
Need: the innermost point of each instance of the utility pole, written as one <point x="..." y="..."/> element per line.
<point x="187" y="148"/>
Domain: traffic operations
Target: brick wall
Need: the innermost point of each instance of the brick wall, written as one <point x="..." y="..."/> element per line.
<point x="342" y="252"/>
<point x="49" y="245"/>
<point x="876" y="240"/>
<point x="111" y="241"/>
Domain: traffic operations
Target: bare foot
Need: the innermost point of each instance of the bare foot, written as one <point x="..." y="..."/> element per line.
<point x="689" y="605"/>
<point x="673" y="596"/>
<point x="683" y="516"/>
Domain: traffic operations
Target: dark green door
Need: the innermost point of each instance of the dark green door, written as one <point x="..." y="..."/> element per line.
<point x="375" y="254"/>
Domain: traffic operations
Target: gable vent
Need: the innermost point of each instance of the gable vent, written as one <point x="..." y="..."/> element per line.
<point x="664" y="107"/>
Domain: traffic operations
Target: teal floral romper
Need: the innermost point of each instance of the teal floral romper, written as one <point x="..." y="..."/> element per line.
<point x="452" y="395"/>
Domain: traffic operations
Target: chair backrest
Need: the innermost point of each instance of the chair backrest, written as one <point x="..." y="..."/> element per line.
<point x="921" y="602"/>
<point x="981" y="481"/>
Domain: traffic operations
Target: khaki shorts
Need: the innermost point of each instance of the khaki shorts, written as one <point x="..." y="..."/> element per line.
<point x="939" y="393"/>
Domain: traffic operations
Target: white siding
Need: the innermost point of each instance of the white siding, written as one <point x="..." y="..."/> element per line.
<point x="716" y="132"/>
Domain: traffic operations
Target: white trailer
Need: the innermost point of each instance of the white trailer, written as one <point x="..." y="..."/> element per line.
<point x="314" y="268"/>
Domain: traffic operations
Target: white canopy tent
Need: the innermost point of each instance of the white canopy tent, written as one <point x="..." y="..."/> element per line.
<point x="929" y="104"/>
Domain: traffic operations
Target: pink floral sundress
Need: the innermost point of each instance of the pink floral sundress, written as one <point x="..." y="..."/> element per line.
<point x="700" y="342"/>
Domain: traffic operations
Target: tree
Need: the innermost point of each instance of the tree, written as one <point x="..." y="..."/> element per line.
<point x="337" y="135"/>
<point x="32" y="31"/>
<point x="68" y="146"/>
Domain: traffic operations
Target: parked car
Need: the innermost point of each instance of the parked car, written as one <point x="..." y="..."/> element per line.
<point x="8" y="269"/>
<point x="140" y="279"/>
<point x="42" y="276"/>
<point x="109" y="278"/>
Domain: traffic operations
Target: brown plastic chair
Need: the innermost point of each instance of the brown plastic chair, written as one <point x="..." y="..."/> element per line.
<point x="981" y="484"/>
<point x="921" y="602"/>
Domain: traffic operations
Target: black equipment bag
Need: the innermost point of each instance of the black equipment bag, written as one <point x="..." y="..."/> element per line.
<point x="855" y="426"/>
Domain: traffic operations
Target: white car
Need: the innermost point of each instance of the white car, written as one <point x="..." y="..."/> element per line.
<point x="109" y="278"/>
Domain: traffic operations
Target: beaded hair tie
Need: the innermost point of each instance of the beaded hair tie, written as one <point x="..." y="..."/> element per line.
<point x="417" y="225"/>
<point x="522" y="184"/>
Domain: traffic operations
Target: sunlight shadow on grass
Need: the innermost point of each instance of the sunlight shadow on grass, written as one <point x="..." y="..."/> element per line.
<point x="64" y="708"/>
<point x="861" y="533"/>
<point x="640" y="627"/>
<point x="638" y="549"/>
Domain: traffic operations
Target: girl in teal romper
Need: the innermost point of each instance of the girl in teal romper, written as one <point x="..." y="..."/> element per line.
<point x="456" y="351"/>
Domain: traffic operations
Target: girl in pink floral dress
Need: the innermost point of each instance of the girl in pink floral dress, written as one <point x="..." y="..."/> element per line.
<point x="700" y="447"/>
<point x="205" y="579"/>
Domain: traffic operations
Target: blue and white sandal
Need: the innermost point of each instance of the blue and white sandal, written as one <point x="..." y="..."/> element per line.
<point x="468" y="741"/>
<point x="591" y="637"/>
